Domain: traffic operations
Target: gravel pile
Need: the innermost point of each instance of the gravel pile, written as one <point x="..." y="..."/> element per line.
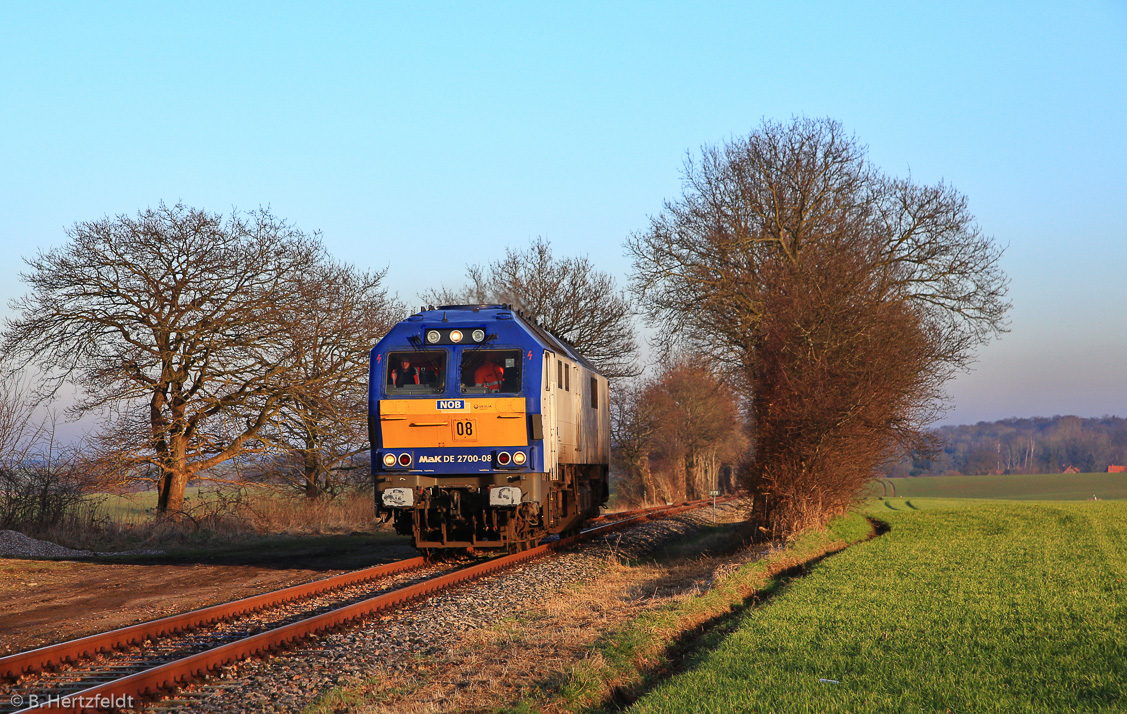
<point x="291" y="681"/>
<point x="14" y="544"/>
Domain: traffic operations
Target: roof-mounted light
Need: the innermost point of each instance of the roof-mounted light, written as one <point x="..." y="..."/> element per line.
<point x="433" y="336"/>
<point x="478" y="335"/>
<point x="455" y="336"/>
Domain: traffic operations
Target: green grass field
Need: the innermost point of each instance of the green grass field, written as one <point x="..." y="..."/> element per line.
<point x="138" y="507"/>
<point x="963" y="606"/>
<point x="1039" y="487"/>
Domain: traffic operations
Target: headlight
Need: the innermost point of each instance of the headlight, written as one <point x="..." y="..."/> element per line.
<point x="455" y="335"/>
<point x="389" y="460"/>
<point x="433" y="336"/>
<point x="478" y="335"/>
<point x="519" y="458"/>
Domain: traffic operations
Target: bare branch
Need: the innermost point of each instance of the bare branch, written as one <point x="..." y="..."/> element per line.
<point x="569" y="296"/>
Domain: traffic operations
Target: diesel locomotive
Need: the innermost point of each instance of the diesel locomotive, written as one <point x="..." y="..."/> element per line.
<point x="487" y="431"/>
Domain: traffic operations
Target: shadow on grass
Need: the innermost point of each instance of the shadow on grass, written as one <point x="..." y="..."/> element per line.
<point x="711" y="540"/>
<point x="692" y="647"/>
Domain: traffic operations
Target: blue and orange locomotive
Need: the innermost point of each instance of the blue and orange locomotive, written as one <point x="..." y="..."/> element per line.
<point x="487" y="431"/>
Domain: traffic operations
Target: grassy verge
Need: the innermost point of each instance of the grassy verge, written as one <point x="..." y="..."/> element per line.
<point x="633" y="659"/>
<point x="961" y="607"/>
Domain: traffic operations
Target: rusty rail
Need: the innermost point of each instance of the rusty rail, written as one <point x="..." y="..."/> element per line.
<point x="152" y="682"/>
<point x="41" y="658"/>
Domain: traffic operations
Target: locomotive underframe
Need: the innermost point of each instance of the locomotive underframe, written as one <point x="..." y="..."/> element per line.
<point x="454" y="511"/>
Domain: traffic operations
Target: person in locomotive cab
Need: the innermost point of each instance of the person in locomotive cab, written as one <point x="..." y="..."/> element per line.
<point x="489" y="375"/>
<point x="405" y="374"/>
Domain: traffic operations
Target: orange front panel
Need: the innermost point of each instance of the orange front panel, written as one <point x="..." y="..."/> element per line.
<point x="424" y="423"/>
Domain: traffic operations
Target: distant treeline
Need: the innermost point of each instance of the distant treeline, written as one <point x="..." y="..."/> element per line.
<point x="1023" y="446"/>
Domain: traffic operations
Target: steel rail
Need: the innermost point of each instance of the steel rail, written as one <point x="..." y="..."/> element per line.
<point x="35" y="660"/>
<point x="151" y="682"/>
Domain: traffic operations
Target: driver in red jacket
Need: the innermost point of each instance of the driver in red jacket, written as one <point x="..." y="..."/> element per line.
<point x="489" y="375"/>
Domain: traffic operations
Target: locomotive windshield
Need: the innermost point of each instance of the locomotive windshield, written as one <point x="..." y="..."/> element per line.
<point x="491" y="371"/>
<point x="416" y="372"/>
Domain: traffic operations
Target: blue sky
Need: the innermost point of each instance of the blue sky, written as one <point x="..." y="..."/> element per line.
<point x="423" y="137"/>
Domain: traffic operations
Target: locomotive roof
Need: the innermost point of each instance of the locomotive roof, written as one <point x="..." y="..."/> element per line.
<point x="476" y="313"/>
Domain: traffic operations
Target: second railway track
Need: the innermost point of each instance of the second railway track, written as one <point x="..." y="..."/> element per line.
<point x="151" y="659"/>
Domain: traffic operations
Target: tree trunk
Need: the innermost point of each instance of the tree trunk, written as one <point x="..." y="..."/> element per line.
<point x="312" y="474"/>
<point x="174" y="476"/>
<point x="171" y="491"/>
<point x="649" y="490"/>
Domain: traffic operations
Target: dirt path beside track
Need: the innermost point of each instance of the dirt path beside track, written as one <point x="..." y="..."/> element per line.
<point x="47" y="601"/>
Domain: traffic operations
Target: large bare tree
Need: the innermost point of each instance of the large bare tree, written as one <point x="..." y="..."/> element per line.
<point x="174" y="325"/>
<point x="323" y="426"/>
<point x="786" y="257"/>
<point x="569" y="296"/>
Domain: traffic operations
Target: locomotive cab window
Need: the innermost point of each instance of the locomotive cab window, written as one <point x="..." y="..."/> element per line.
<point x="491" y="371"/>
<point x="416" y="372"/>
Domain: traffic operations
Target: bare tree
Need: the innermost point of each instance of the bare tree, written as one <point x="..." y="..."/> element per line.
<point x="42" y="483"/>
<point x="19" y="431"/>
<point x="743" y="267"/>
<point x="174" y="325"/>
<point x="633" y="428"/>
<point x="675" y="433"/>
<point x="844" y="380"/>
<point x="323" y="427"/>
<point x="699" y="428"/>
<point x="569" y="296"/>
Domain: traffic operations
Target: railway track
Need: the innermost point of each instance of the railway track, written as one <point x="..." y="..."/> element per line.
<point x="122" y="668"/>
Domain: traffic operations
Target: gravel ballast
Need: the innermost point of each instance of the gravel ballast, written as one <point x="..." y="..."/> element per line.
<point x="396" y="641"/>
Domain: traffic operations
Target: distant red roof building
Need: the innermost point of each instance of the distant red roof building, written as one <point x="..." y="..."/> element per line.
<point x="1113" y="469"/>
<point x="1072" y="470"/>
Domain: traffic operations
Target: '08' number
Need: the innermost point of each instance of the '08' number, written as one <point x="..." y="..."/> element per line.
<point x="464" y="430"/>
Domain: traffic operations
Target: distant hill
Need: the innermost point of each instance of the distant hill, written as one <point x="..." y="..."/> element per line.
<point x="1038" y="445"/>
